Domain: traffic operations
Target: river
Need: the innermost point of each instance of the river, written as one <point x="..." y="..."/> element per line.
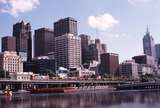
<point x="89" y="99"/>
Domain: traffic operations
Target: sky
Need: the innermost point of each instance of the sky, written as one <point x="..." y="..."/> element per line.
<point x="121" y="24"/>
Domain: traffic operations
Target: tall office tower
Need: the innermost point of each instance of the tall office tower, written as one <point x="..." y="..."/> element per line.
<point x="98" y="47"/>
<point x="95" y="50"/>
<point x="148" y="44"/>
<point x="104" y="48"/>
<point x="43" y="42"/>
<point x="68" y="51"/>
<point x="109" y="64"/>
<point x="22" y="32"/>
<point x="93" y="53"/>
<point x="8" y="43"/>
<point x="64" y="26"/>
<point x="157" y="50"/>
<point x="85" y="39"/>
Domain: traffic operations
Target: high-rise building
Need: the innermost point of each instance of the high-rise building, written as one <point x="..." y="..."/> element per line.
<point x="144" y="59"/>
<point x="157" y="50"/>
<point x="147" y="64"/>
<point x="65" y="26"/>
<point x="68" y="51"/>
<point x="109" y="64"/>
<point x="8" y="43"/>
<point x="11" y="62"/>
<point x="40" y="65"/>
<point x="43" y="42"/>
<point x="104" y="48"/>
<point x="129" y="69"/>
<point x="85" y="41"/>
<point x="93" y="53"/>
<point x="95" y="50"/>
<point x="22" y="32"/>
<point x="148" y="44"/>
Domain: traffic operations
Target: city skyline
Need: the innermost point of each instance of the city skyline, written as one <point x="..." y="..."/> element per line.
<point x="123" y="29"/>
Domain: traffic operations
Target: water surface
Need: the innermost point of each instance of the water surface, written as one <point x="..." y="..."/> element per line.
<point x="98" y="99"/>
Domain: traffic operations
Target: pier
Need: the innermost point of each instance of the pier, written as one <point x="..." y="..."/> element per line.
<point x="30" y="84"/>
<point x="139" y="86"/>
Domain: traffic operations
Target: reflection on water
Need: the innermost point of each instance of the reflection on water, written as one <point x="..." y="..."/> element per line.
<point x="84" y="100"/>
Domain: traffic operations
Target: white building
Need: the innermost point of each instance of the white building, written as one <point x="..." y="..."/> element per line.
<point x="25" y="76"/>
<point x="85" y="72"/>
<point x="129" y="69"/>
<point x="11" y="62"/>
<point x="145" y="69"/>
<point x="68" y="51"/>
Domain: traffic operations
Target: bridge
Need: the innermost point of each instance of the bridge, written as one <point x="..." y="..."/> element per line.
<point x="30" y="84"/>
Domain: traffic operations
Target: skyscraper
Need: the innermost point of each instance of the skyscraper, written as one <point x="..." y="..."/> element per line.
<point x="64" y="26"/>
<point x="109" y="64"/>
<point x="104" y="48"/>
<point x="8" y="43"/>
<point x="85" y="41"/>
<point x="22" y="32"/>
<point x="157" y="48"/>
<point x="43" y="42"/>
<point x="68" y="51"/>
<point x="95" y="50"/>
<point x="67" y="43"/>
<point x="148" y="44"/>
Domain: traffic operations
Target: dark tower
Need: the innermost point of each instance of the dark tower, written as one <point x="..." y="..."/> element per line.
<point x="43" y="42"/>
<point x="64" y="26"/>
<point x="22" y="32"/>
<point x="29" y="54"/>
<point x="8" y="43"/>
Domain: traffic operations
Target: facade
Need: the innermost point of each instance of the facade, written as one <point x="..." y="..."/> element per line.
<point x="147" y="64"/>
<point x="22" y="32"/>
<point x="129" y="69"/>
<point x="8" y="43"/>
<point x="81" y="73"/>
<point x="85" y="41"/>
<point x="144" y="59"/>
<point x="93" y="53"/>
<point x="109" y="64"/>
<point x="40" y="65"/>
<point x="104" y="48"/>
<point x="65" y="26"/>
<point x="43" y="42"/>
<point x="95" y="49"/>
<point x="145" y="69"/>
<point x="148" y="44"/>
<point x="157" y="49"/>
<point x="11" y="62"/>
<point x="24" y="76"/>
<point x="68" y="51"/>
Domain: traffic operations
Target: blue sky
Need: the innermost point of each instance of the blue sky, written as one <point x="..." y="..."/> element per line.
<point x="123" y="37"/>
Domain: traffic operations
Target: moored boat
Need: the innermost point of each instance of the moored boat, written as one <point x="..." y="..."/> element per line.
<point x="7" y="92"/>
<point x="53" y="90"/>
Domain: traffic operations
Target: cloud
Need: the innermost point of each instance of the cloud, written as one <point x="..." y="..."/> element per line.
<point x="102" y="22"/>
<point x="134" y="2"/>
<point x="15" y="7"/>
<point x="116" y="35"/>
